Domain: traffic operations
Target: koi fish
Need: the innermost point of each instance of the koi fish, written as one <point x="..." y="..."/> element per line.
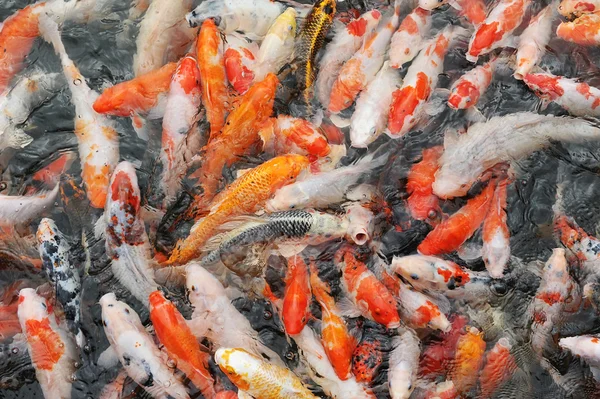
<point x="371" y="297"/>
<point x="428" y="272"/>
<point x="421" y="202"/>
<point x="182" y="346"/>
<point x="584" y="246"/>
<point x="135" y="349"/>
<point x="437" y="357"/>
<point x="250" y="17"/>
<point x="408" y="40"/>
<point x="346" y="41"/>
<point x="322" y="372"/>
<point x="418" y="311"/>
<point x="259" y="378"/>
<point x="584" y="31"/>
<point x="473" y="10"/>
<point x="430" y="5"/>
<point x="500" y="23"/>
<point x="467" y="90"/>
<point x="240" y="60"/>
<point x="288" y="135"/>
<point x="15" y="210"/>
<point x="240" y="132"/>
<point x="54" y="252"/>
<point x="367" y="358"/>
<point x="127" y="243"/>
<point x="361" y="69"/>
<point x="420" y="80"/>
<point x="533" y="41"/>
<point x="496" y="245"/>
<point x="214" y="82"/>
<point x="404" y="362"/>
<point x="579" y="98"/>
<point x="19" y="101"/>
<point x="181" y="113"/>
<point x="96" y="135"/>
<point x="209" y="299"/>
<point x="372" y="108"/>
<point x="442" y="390"/>
<point x="243" y="196"/>
<point x="49" y="175"/>
<point x="468" y="360"/>
<point x="138" y="96"/>
<point x="296" y="299"/>
<point x="585" y="347"/>
<point x="52" y="352"/>
<point x="337" y="341"/>
<point x="557" y="293"/>
<point x="277" y="46"/>
<point x="163" y="35"/>
<point x="310" y="40"/>
<point x="450" y="234"/>
<point x="577" y="8"/>
<point x="499" y="367"/>
<point x="505" y="138"/>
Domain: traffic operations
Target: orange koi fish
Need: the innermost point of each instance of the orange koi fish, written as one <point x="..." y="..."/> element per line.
<point x="296" y="299"/>
<point x="449" y="235"/>
<point x="96" y="135"/>
<point x="499" y="367"/>
<point x="339" y="344"/>
<point x="288" y="135"/>
<point x="52" y="352"/>
<point x="467" y="90"/>
<point x="244" y="196"/>
<point x="181" y="114"/>
<point x="240" y="132"/>
<point x="370" y="295"/>
<point x="359" y="70"/>
<point x="409" y="38"/>
<point x="182" y="346"/>
<point x="496" y="237"/>
<point x="138" y="95"/>
<point x="240" y="61"/>
<point x="584" y="31"/>
<point x="497" y="27"/>
<point x="209" y="51"/>
<point x="422" y="203"/>
<point x="468" y="360"/>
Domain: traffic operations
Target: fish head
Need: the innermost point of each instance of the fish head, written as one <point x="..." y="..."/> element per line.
<point x="545" y="85"/>
<point x="118" y="316"/>
<point x="360" y="224"/>
<point x="202" y="287"/>
<point x="449" y="184"/>
<point x="286" y="168"/>
<point x="187" y="75"/>
<point x="157" y="299"/>
<point x="324" y="7"/>
<point x="285" y="25"/>
<point x="48" y="232"/>
<point x="363" y="131"/>
<point x="32" y="305"/>
<point x="431" y="4"/>
<point x="114" y="101"/>
<point x="237" y="364"/>
<point x="286" y="198"/>
<point x="123" y="206"/>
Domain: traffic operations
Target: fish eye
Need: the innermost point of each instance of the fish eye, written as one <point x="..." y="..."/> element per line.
<point x="303" y="319"/>
<point x="499" y="288"/>
<point x="431" y="214"/>
<point x="193" y="287"/>
<point x="104" y="322"/>
<point x="127" y="311"/>
<point x="3" y="186"/>
<point x="328" y="9"/>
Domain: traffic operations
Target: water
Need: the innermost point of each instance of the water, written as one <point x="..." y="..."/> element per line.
<point x="103" y="52"/>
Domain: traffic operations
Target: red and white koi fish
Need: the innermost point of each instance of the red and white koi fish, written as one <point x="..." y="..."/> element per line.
<point x="404" y="364"/>
<point x="346" y="41"/>
<point x="240" y="61"/>
<point x="533" y="41"/>
<point x="474" y="11"/>
<point x="16" y="210"/>
<point x="297" y="296"/>
<point x="96" y="134"/>
<point x="181" y="114"/>
<point x="372" y="108"/>
<point x="127" y="243"/>
<point x="288" y="135"/>
<point x="410" y="37"/>
<point x="421" y="202"/>
<point x="209" y="50"/>
<point x="370" y="296"/>
<point x="467" y="90"/>
<point x="359" y="70"/>
<point x="500" y="23"/>
<point x="496" y="237"/>
<point x="420" y="80"/>
<point x="418" y="311"/>
<point x="586" y="347"/>
<point x="576" y="8"/>
<point x="584" y="246"/>
<point x="499" y="367"/>
<point x="52" y="351"/>
<point x="579" y="98"/>
<point x="557" y="293"/>
<point x="584" y="31"/>
<point x="131" y="345"/>
<point x="277" y="46"/>
<point x="181" y="345"/>
<point x="450" y="234"/>
<point x="163" y="37"/>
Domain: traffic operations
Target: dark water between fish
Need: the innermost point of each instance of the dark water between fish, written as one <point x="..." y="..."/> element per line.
<point x="105" y="57"/>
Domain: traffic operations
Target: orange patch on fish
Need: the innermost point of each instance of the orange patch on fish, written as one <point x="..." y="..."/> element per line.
<point x="46" y="345"/>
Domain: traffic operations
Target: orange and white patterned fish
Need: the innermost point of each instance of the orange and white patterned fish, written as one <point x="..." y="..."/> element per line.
<point x="288" y="135"/>
<point x="496" y="237"/>
<point x="467" y="90"/>
<point x="533" y="41"/>
<point x="576" y="8"/>
<point x="240" y="61"/>
<point x="410" y="37"/>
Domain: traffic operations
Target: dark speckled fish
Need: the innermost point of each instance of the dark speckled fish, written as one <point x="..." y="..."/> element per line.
<point x="54" y="251"/>
<point x="310" y="40"/>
